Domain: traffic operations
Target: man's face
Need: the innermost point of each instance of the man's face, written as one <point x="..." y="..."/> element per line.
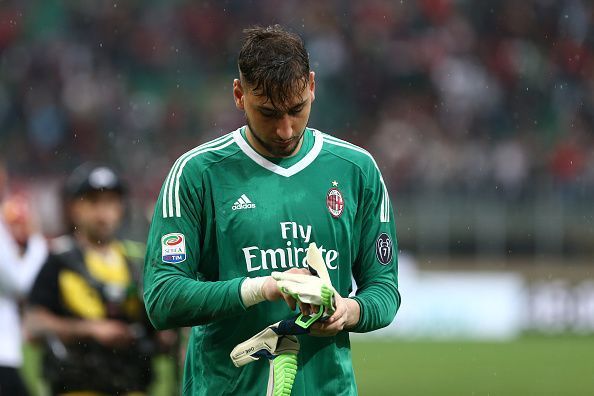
<point x="274" y="132"/>
<point x="97" y="215"/>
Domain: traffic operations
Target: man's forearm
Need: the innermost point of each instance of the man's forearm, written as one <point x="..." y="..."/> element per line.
<point x="378" y="305"/>
<point x="39" y="322"/>
<point x="178" y="301"/>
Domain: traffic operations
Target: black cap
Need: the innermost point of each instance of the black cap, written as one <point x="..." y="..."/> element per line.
<point x="93" y="177"/>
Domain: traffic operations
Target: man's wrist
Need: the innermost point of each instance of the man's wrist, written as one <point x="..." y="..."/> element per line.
<point x="80" y="328"/>
<point x="354" y="313"/>
<point x="252" y="291"/>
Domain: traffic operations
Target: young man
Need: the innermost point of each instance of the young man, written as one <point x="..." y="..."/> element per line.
<point x="85" y="305"/>
<point x="235" y="209"/>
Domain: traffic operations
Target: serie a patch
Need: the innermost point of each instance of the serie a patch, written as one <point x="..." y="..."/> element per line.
<point x="173" y="248"/>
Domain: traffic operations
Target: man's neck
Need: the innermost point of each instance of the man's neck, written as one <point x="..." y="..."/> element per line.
<point x="86" y="242"/>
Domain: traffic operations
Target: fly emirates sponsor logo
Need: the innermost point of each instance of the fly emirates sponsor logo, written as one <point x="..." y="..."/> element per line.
<point x="288" y="256"/>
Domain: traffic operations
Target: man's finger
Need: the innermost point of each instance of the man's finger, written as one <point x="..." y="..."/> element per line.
<point x="291" y="302"/>
<point x="324" y="330"/>
<point x="304" y="308"/>
<point x="287" y="276"/>
<point x="336" y="315"/>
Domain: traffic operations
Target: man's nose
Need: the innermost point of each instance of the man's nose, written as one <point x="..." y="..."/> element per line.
<point x="284" y="129"/>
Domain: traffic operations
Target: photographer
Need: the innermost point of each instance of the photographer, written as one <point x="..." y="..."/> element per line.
<point x="85" y="305"/>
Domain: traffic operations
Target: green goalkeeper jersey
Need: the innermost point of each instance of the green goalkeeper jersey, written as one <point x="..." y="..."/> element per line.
<point x="226" y="213"/>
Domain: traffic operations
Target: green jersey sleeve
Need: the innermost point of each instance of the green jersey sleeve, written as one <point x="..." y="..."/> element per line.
<point x="176" y="293"/>
<point x="375" y="269"/>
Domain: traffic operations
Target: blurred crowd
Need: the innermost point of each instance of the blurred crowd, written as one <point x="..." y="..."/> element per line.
<point x="449" y="95"/>
<point x="489" y="98"/>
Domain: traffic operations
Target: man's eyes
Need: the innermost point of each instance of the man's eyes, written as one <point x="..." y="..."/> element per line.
<point x="270" y="114"/>
<point x="296" y="111"/>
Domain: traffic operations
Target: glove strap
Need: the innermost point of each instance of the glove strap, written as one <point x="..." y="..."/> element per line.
<point x="327" y="309"/>
<point x="304" y="321"/>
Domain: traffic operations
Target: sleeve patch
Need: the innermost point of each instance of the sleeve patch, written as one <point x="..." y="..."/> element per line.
<point x="383" y="249"/>
<point x="173" y="248"/>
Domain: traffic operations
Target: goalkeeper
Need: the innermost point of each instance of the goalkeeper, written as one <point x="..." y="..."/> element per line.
<point x="237" y="209"/>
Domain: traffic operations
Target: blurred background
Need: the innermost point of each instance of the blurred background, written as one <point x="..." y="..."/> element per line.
<point x="479" y="114"/>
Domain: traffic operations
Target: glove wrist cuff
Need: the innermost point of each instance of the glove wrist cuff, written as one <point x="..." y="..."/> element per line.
<point x="251" y="291"/>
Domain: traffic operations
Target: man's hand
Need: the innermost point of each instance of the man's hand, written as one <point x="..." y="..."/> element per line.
<point x="311" y="289"/>
<point x="110" y="333"/>
<point x="308" y="289"/>
<point x="345" y="317"/>
<point x="271" y="291"/>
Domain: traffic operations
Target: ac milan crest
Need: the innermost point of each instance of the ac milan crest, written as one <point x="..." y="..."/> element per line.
<point x="335" y="202"/>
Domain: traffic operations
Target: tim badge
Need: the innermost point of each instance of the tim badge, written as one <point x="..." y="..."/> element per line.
<point x="173" y="248"/>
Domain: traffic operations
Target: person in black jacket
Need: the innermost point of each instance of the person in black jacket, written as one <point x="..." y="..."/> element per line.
<point x="86" y="305"/>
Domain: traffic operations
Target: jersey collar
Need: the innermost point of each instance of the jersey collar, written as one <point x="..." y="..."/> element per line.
<point x="279" y="170"/>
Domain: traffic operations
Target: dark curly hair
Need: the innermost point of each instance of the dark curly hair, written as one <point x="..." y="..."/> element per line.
<point x="274" y="63"/>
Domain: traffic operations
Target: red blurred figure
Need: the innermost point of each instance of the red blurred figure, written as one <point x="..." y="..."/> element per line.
<point x="568" y="161"/>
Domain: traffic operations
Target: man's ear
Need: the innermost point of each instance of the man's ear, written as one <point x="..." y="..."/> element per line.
<point x="312" y="85"/>
<point x="238" y="94"/>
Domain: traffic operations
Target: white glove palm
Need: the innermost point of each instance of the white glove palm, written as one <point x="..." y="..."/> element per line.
<point x="307" y="289"/>
<point x="310" y="289"/>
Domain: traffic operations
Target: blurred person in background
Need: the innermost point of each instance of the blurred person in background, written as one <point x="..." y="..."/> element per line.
<point x="23" y="251"/>
<point x="85" y="305"/>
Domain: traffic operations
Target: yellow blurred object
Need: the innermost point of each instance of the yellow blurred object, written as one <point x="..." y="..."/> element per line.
<point x="80" y="297"/>
<point x="109" y="268"/>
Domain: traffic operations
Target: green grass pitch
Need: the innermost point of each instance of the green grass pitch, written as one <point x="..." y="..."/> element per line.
<point x="529" y="366"/>
<point x="536" y="365"/>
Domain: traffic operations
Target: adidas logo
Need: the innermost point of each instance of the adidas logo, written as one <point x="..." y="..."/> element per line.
<point x="243" y="203"/>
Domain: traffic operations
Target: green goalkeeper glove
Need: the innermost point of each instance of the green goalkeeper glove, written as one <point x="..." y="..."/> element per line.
<point x="280" y="348"/>
<point x="309" y="289"/>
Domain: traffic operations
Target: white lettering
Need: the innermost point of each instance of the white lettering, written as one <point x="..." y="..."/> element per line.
<point x="243" y="206"/>
<point x="249" y="257"/>
<point x="297" y="250"/>
<point x="330" y="257"/>
<point x="285" y="227"/>
<point x="305" y="234"/>
<point x="272" y="254"/>
<point x="289" y="253"/>
<point x="289" y="256"/>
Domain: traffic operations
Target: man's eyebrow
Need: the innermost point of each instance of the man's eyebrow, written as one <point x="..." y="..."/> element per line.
<point x="272" y="109"/>
<point x="298" y="105"/>
<point x="267" y="108"/>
